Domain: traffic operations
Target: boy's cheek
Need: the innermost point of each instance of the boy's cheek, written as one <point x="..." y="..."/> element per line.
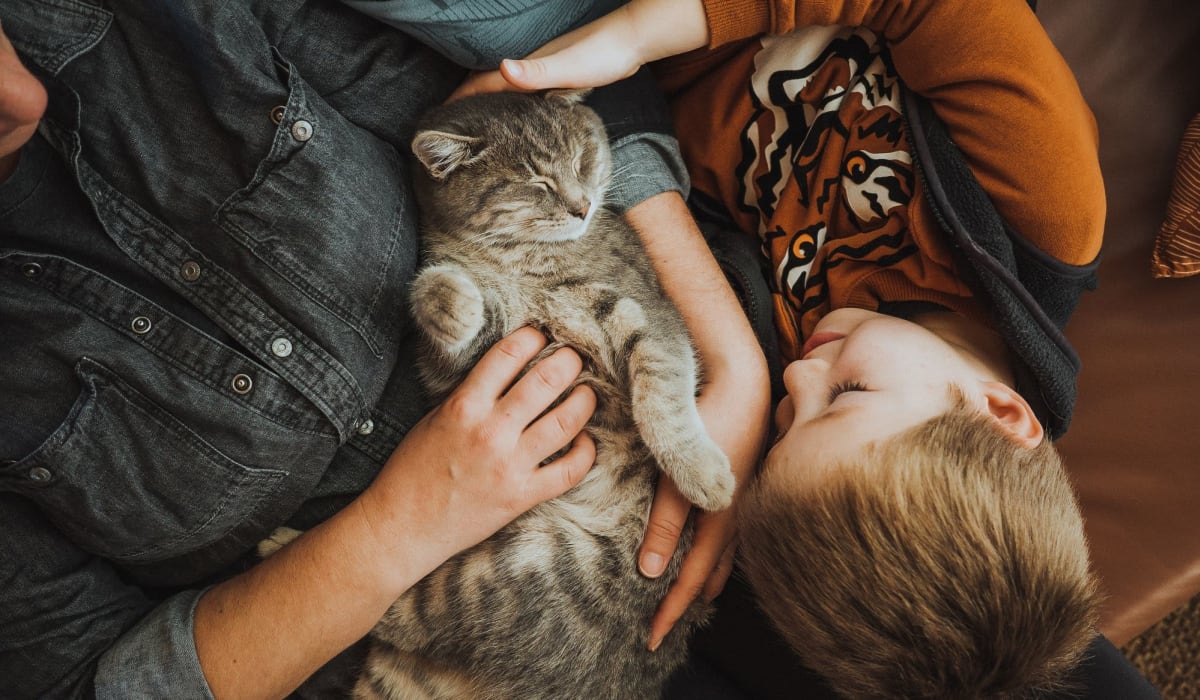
<point x="784" y="414"/>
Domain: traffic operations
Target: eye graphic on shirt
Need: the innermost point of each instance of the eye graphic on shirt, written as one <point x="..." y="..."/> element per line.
<point x="804" y="246"/>
<point x="825" y="169"/>
<point x="873" y="184"/>
<point x="795" y="269"/>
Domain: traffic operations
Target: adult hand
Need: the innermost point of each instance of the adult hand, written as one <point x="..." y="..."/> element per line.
<point x="734" y="402"/>
<point x="708" y="564"/>
<point x="601" y="52"/>
<point x="22" y="103"/>
<point x="472" y="465"/>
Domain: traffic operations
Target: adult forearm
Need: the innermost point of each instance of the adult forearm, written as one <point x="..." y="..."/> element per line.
<point x="259" y="635"/>
<point x="464" y="471"/>
<point x="694" y="281"/>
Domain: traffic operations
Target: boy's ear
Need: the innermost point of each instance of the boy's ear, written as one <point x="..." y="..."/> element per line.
<point x="1013" y="414"/>
<point x="442" y="151"/>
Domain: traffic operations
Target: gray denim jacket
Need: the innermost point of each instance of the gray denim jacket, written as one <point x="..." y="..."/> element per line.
<point x="203" y="258"/>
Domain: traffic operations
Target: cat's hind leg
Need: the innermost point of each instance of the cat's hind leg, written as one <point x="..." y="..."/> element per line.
<point x="392" y="674"/>
<point x="276" y="541"/>
<point x="662" y="380"/>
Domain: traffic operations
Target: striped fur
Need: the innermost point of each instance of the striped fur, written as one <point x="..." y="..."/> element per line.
<point x="514" y="234"/>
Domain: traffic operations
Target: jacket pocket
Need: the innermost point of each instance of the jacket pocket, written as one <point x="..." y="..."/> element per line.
<point x="52" y="34"/>
<point x="127" y="481"/>
<point x="310" y="215"/>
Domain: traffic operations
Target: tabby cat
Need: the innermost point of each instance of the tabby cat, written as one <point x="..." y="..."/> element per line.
<point x="514" y="233"/>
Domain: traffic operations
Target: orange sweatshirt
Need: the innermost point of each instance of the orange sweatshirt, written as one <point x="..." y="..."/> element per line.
<point x="799" y="135"/>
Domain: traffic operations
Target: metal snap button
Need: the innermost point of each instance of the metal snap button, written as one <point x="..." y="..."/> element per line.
<point x="141" y="325"/>
<point x="366" y="427"/>
<point x="40" y="475"/>
<point x="302" y="130"/>
<point x="282" y="347"/>
<point x="242" y="383"/>
<point x="277" y="113"/>
<point x="31" y="270"/>
<point x="189" y="271"/>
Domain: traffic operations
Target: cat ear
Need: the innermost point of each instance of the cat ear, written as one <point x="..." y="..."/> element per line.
<point x="573" y="95"/>
<point x="441" y="151"/>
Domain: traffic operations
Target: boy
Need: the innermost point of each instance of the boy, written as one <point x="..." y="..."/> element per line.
<point x="913" y="533"/>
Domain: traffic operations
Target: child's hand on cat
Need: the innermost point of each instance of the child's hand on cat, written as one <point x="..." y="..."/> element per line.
<point x="602" y="52"/>
<point x="472" y="465"/>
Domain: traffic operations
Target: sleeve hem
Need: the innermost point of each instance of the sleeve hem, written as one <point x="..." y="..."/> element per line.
<point x="157" y="657"/>
<point x="646" y="165"/>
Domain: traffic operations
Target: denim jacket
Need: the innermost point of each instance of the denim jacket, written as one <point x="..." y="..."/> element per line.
<point x="203" y="258"/>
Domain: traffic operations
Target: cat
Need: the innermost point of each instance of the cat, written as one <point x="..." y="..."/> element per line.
<point x="514" y="233"/>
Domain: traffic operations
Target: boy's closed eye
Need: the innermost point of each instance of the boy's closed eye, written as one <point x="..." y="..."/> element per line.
<point x="844" y="387"/>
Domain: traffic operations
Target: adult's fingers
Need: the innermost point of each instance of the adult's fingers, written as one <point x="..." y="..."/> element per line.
<point x="541" y="385"/>
<point x="561" y="424"/>
<point x="668" y="515"/>
<point x="720" y="575"/>
<point x="559" y="476"/>
<point x="501" y="364"/>
<point x="713" y="537"/>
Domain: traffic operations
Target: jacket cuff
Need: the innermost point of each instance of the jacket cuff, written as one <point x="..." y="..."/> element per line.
<point x="157" y="657"/>
<point x="644" y="165"/>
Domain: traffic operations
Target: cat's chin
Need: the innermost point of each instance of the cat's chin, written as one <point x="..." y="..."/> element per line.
<point x="562" y="234"/>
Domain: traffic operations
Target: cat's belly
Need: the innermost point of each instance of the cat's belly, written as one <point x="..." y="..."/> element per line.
<point x="551" y="606"/>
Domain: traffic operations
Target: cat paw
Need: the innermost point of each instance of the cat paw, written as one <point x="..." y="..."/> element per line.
<point x="276" y="541"/>
<point x="702" y="474"/>
<point x="447" y="306"/>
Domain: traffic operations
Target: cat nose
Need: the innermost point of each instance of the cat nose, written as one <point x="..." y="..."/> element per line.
<point x="581" y="208"/>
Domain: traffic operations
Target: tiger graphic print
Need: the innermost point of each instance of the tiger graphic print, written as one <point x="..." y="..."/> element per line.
<point x="823" y="174"/>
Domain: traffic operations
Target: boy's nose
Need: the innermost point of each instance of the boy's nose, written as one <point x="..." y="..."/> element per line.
<point x="803" y="380"/>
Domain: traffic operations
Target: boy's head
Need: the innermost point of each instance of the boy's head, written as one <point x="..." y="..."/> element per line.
<point x="912" y="534"/>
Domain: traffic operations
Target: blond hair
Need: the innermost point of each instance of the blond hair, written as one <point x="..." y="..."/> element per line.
<point x="949" y="562"/>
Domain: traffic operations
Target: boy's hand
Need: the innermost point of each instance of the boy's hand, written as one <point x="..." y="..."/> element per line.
<point x="602" y="52"/>
<point x="22" y="103"/>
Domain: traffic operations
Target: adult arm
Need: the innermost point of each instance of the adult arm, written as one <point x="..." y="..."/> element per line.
<point x="70" y="626"/>
<point x="734" y="402"/>
<point x="463" y="472"/>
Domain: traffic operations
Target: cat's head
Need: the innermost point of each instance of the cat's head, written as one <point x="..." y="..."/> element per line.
<point x="515" y="166"/>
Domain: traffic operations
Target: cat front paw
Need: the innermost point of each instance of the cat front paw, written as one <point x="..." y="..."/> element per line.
<point x="276" y="541"/>
<point x="701" y="472"/>
<point x="448" y="306"/>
